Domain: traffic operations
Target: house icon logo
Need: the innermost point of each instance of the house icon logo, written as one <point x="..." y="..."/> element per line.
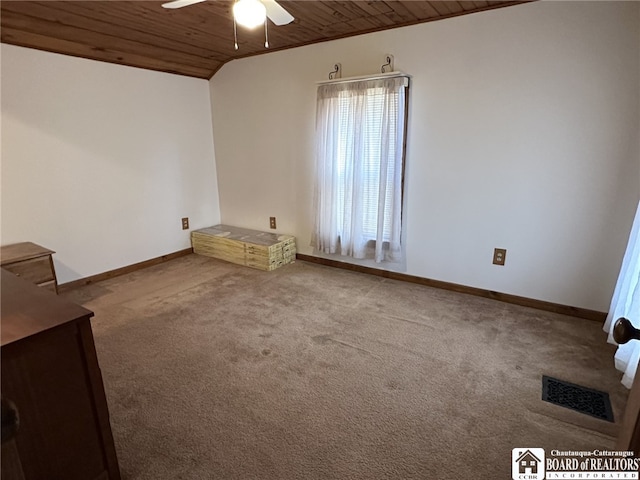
<point x="527" y="464"/>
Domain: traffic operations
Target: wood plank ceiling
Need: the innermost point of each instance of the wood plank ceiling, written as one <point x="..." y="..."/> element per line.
<point x="197" y="40"/>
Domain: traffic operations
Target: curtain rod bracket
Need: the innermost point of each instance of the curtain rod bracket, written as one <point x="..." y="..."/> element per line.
<point x="336" y="72"/>
<point x="389" y="63"/>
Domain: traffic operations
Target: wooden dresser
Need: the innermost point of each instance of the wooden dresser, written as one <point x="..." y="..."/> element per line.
<point x="52" y="383"/>
<point x="31" y="262"/>
<point x="261" y="250"/>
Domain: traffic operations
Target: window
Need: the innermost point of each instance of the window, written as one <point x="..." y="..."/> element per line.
<point x="360" y="132"/>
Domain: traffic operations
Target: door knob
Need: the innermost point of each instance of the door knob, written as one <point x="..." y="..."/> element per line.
<point x="624" y="332"/>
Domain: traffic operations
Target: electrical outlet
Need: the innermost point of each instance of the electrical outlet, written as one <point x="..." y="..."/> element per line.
<point x="185" y="223"/>
<point x="272" y="222"/>
<point x="499" y="256"/>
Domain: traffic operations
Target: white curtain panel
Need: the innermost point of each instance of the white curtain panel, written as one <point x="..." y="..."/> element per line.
<point x="359" y="163"/>
<point x="626" y="303"/>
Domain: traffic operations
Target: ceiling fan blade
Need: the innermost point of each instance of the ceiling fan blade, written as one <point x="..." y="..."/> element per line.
<point x="276" y="13"/>
<point x="181" y="3"/>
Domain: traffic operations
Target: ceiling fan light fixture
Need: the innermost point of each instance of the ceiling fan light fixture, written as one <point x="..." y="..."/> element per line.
<point x="249" y="13"/>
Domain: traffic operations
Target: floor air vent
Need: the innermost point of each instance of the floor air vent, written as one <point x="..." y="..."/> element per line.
<point x="582" y="399"/>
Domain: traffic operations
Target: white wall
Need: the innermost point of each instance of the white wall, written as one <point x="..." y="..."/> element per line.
<point x="100" y="162"/>
<point x="523" y="135"/>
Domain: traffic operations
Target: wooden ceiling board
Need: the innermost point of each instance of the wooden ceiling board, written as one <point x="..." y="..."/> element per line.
<point x="401" y="14"/>
<point x="32" y="40"/>
<point x="91" y="37"/>
<point x="420" y="10"/>
<point x="127" y="28"/>
<point x="197" y="40"/>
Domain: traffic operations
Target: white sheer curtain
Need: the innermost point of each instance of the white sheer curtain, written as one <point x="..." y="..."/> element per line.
<point x="626" y="303"/>
<point x="359" y="166"/>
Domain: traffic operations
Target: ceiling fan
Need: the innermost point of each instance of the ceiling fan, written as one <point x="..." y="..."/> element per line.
<point x="248" y="13"/>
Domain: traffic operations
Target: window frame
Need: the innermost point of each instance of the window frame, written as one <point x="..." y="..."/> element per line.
<point x="383" y="232"/>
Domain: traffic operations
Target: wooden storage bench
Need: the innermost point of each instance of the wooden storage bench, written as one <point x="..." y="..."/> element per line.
<point x="261" y="250"/>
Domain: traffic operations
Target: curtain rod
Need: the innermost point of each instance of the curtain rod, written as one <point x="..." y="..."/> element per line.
<point x="377" y="76"/>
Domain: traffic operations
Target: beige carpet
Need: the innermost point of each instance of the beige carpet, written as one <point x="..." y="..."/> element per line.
<point x="216" y="371"/>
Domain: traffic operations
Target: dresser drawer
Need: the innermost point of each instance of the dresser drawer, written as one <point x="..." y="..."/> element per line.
<point x="36" y="270"/>
<point x="51" y="286"/>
